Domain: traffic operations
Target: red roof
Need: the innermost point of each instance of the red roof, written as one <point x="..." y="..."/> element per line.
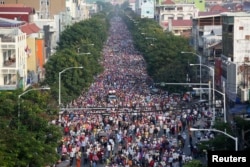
<point x="30" y="28"/>
<point x="168" y="2"/>
<point x="28" y="10"/>
<point x="218" y="8"/>
<point x="210" y="13"/>
<point x="180" y="23"/>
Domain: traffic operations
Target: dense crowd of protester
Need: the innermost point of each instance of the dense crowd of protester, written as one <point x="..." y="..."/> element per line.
<point x="137" y="127"/>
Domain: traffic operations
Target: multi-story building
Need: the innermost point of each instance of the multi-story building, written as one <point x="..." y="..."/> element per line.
<point x="35" y="48"/>
<point x="175" y="17"/>
<point x="34" y="52"/>
<point x="206" y="34"/>
<point x="132" y="4"/>
<point x="176" y="11"/>
<point x="13" y="58"/>
<point x="45" y="8"/>
<point x="235" y="59"/>
<point x="147" y="9"/>
<point x="178" y="27"/>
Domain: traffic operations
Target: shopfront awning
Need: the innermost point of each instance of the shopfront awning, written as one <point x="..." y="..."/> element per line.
<point x="240" y="109"/>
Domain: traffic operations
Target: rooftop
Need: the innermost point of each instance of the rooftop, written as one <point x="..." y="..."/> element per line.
<point x="29" y="28"/>
<point x="209" y="13"/>
<point x="10" y="23"/>
<point x="236" y="14"/>
<point x="179" y="23"/>
<point x="218" y="8"/>
<point x="15" y="9"/>
<point x="168" y="2"/>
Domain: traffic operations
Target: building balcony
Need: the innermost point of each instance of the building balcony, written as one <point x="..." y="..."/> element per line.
<point x="5" y="38"/>
<point x="11" y="63"/>
<point x="9" y="86"/>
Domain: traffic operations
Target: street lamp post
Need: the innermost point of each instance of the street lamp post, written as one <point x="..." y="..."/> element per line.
<point x="151" y="38"/>
<point x="78" y="49"/>
<point x="200" y="66"/>
<point x="213" y="85"/>
<point x="216" y="130"/>
<point x="60" y="73"/>
<point x="224" y="104"/>
<point x="19" y="97"/>
<point x="87" y="53"/>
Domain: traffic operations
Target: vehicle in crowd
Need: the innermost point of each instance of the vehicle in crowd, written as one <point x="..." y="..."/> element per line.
<point x="111" y="97"/>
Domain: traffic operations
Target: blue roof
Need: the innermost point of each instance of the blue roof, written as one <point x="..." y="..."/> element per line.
<point x="10" y="23"/>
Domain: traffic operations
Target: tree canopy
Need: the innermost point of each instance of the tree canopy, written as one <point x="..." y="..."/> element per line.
<point x="28" y="139"/>
<point x="29" y="135"/>
<point x="220" y="141"/>
<point x="193" y="163"/>
<point x="80" y="46"/>
<point x="161" y="51"/>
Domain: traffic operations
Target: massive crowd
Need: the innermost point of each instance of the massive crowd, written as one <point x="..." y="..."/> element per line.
<point x="137" y="127"/>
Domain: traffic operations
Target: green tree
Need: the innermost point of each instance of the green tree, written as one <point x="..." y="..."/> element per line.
<point x="220" y="141"/>
<point x="161" y="50"/>
<point x="193" y="163"/>
<point x="242" y="128"/>
<point x="75" y="42"/>
<point x="74" y="81"/>
<point x="31" y="139"/>
<point x="28" y="139"/>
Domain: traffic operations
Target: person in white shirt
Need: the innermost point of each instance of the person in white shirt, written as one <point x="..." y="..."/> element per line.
<point x="72" y="155"/>
<point x="109" y="150"/>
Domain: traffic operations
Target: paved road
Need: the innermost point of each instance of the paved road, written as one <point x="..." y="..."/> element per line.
<point x="119" y="67"/>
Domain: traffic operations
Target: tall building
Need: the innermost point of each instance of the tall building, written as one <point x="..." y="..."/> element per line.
<point x="236" y="54"/>
<point x="13" y="67"/>
<point x="147" y="9"/>
<point x="46" y="8"/>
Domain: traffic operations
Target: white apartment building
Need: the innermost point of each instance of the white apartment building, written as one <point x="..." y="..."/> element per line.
<point x="236" y="54"/>
<point x="71" y="7"/>
<point x="169" y="10"/>
<point x="147" y="9"/>
<point x="132" y="4"/>
<point x="13" y="58"/>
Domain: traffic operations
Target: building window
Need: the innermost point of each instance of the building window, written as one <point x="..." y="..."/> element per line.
<point x="241" y="28"/>
<point x="179" y="8"/>
<point x="247" y="37"/>
<point x="169" y="8"/>
<point x="179" y="18"/>
<point x="6" y="80"/>
<point x="230" y="28"/>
